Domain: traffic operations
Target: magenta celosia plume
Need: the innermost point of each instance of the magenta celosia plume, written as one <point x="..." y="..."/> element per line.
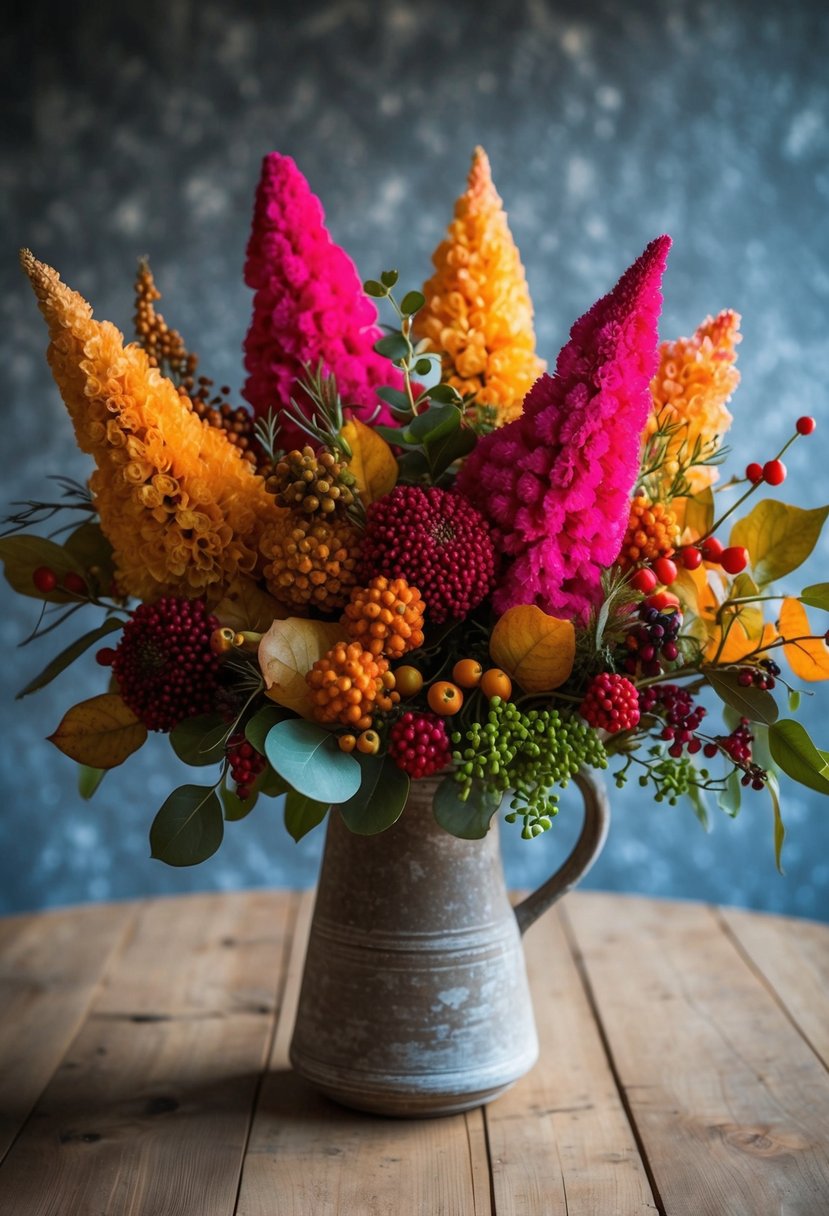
<point x="309" y="306"/>
<point x="555" y="484"/>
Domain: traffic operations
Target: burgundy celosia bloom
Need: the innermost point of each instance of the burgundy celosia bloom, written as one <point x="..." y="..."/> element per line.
<point x="309" y="306"/>
<point x="556" y="483"/>
<point x="164" y="666"/>
<point x="437" y="541"/>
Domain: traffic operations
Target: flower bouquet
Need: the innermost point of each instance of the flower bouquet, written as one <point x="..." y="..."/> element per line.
<point x="415" y="552"/>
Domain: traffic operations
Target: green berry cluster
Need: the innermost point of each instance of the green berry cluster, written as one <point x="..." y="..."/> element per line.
<point x="528" y="753"/>
<point x="672" y="778"/>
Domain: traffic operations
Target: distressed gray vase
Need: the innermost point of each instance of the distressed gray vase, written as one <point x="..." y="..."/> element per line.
<point x="414" y="999"/>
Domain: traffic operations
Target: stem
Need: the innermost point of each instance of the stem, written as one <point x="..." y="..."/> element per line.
<point x="754" y="486"/>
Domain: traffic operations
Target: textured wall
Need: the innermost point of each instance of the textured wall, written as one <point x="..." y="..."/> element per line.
<point x="606" y="124"/>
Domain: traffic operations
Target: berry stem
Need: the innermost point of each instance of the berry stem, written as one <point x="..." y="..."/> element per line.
<point x="754" y="486"/>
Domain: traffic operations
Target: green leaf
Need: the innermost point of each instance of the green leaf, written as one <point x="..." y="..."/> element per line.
<point x="309" y="759"/>
<point x="698" y="801"/>
<point x="413" y="465"/>
<point x="444" y="394"/>
<point x="270" y="784"/>
<point x="380" y="800"/>
<point x="778" y="537"/>
<point x="412" y="302"/>
<point x="816" y="596"/>
<point x="24" y="553"/>
<point x="61" y="661"/>
<point x="469" y="820"/>
<point x="435" y="423"/>
<point x="89" y="779"/>
<point x="388" y="278"/>
<point x="394" y="347"/>
<point x="396" y="398"/>
<point x="91" y="549"/>
<point x="303" y="814"/>
<point x="453" y="447"/>
<point x="730" y="798"/>
<point x="794" y="700"/>
<point x="201" y="740"/>
<point x="372" y="288"/>
<point x="779" y="826"/>
<point x="260" y="725"/>
<point x="236" y="808"/>
<point x="424" y="366"/>
<point x="188" y="828"/>
<point x="796" y="754"/>
<point x="753" y="703"/>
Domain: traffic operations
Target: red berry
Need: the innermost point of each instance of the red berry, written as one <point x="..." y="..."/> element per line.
<point x="754" y="472"/>
<point x="805" y="425"/>
<point x="74" y="583"/>
<point x="712" y="549"/>
<point x="105" y="656"/>
<point x="662" y="600"/>
<point x="644" y="580"/>
<point x="45" y="579"/>
<point x="774" y="472"/>
<point x="665" y="570"/>
<point x="691" y="557"/>
<point x="734" y="559"/>
<point x="419" y="744"/>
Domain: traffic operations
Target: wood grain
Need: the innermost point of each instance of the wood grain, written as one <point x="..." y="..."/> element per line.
<point x="793" y="956"/>
<point x="560" y="1140"/>
<point x="307" y="1155"/>
<point x="730" y="1104"/>
<point x="149" y="1111"/>
<point x="50" y="965"/>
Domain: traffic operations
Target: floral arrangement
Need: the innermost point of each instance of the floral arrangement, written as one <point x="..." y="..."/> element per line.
<point x="415" y="552"/>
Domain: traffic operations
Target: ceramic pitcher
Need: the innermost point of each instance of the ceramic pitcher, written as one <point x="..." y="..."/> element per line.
<point x="414" y="998"/>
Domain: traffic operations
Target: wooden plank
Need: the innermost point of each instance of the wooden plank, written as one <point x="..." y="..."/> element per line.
<point x="730" y="1104"/>
<point x="793" y="955"/>
<point x="50" y="965"/>
<point x="150" y="1110"/>
<point x="309" y="1157"/>
<point x="560" y="1140"/>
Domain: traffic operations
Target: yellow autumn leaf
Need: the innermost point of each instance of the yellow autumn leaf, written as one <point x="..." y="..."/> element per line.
<point x="537" y="650"/>
<point x="289" y="650"/>
<point x="372" y="461"/>
<point x="245" y="606"/>
<point x="100" y="732"/>
<point x="808" y="660"/>
<point x="738" y="643"/>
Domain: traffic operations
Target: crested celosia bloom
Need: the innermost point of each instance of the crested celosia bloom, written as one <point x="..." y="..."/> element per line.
<point x="692" y="386"/>
<point x="308" y="308"/>
<point x="556" y="483"/>
<point x="180" y="507"/>
<point x="479" y="315"/>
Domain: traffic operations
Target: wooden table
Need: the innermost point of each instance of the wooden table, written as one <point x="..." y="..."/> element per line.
<point x="144" y="1071"/>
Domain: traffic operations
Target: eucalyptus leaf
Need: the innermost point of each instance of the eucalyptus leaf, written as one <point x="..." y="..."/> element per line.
<point x="260" y="725"/>
<point x="797" y="756"/>
<point x="372" y="288"/>
<point x="303" y="814"/>
<point x="201" y="740"/>
<point x="396" y="398"/>
<point x="309" y="759"/>
<point x="189" y="827"/>
<point x="469" y="820"/>
<point x="389" y="277"/>
<point x="393" y="346"/>
<point x="445" y="394"/>
<point x="816" y="596"/>
<point x="412" y="302"/>
<point x="750" y="702"/>
<point x="380" y="800"/>
<point x="63" y="660"/>
<point x="453" y="447"/>
<point x="424" y="366"/>
<point x="435" y="423"/>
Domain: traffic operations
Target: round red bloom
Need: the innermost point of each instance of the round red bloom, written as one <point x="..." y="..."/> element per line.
<point x="611" y="703"/>
<point x="437" y="541"/>
<point x="164" y="665"/>
<point x="419" y="744"/>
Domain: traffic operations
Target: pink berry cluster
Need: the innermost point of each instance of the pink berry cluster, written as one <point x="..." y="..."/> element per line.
<point x="419" y="744"/>
<point x="245" y="764"/>
<point x="682" y="717"/>
<point x="437" y="541"/>
<point x="164" y="665"/>
<point x="611" y="703"/>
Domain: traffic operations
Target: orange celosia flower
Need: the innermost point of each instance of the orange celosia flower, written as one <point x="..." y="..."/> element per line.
<point x="695" y="380"/>
<point x="478" y="315"/>
<point x="180" y="507"/>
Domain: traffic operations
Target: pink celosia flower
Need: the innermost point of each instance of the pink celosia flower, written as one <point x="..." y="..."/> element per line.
<point x="308" y="306"/>
<point x="556" y="483"/>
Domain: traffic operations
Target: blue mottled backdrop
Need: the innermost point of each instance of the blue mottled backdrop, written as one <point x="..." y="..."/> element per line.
<point x="606" y="124"/>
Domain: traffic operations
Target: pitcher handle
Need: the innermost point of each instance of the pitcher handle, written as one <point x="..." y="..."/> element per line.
<point x="585" y="851"/>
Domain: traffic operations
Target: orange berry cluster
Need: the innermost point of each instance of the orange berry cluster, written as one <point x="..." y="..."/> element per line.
<point x="652" y="532"/>
<point x="386" y="617"/>
<point x="349" y="684"/>
<point x="312" y="561"/>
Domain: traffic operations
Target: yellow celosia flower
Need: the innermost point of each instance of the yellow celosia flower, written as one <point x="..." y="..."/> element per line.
<point x="478" y="315"/>
<point x="695" y="380"/>
<point x="181" y="508"/>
